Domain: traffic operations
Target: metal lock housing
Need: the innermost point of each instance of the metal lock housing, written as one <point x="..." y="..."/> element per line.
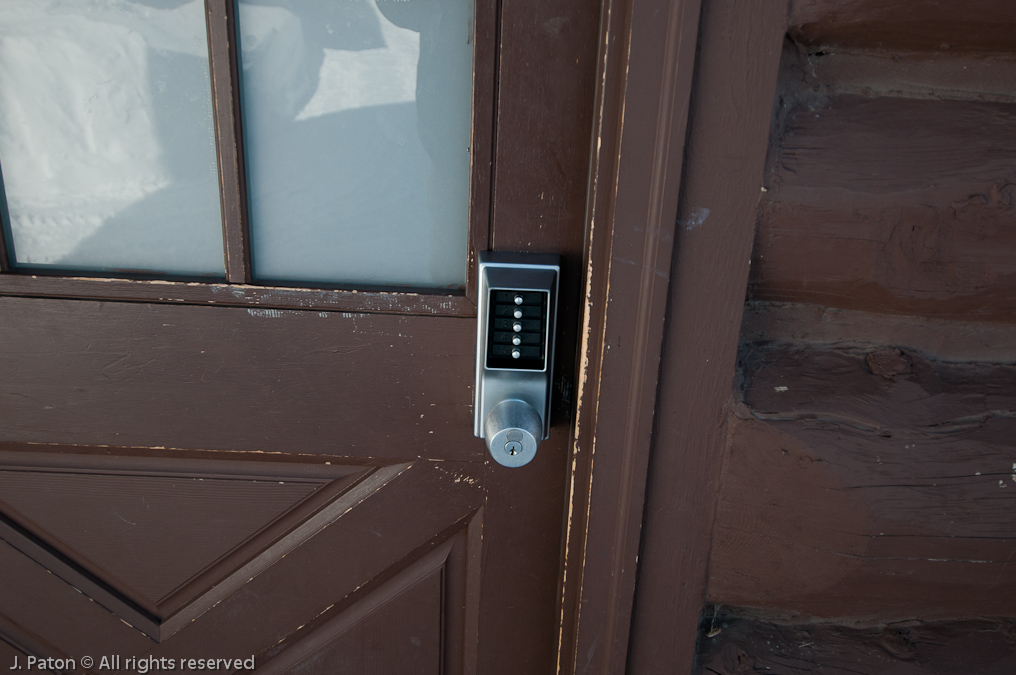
<point x="516" y="319"/>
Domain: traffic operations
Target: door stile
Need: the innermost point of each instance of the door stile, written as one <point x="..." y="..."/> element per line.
<point x="223" y="55"/>
<point x="546" y="76"/>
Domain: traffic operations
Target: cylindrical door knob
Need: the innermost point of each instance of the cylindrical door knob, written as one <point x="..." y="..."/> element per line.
<point x="513" y="429"/>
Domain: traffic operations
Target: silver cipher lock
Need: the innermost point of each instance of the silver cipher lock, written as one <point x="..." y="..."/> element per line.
<point x="515" y="352"/>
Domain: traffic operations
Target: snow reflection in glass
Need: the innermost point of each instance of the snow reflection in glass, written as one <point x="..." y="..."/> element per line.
<point x="356" y="131"/>
<point x="106" y="137"/>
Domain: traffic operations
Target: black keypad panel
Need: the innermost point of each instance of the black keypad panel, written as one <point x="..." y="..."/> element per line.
<point x="517" y="332"/>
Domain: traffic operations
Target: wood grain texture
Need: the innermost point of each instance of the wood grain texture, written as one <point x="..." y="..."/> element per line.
<point x="736" y="74"/>
<point x="893" y="205"/>
<point x="917" y="75"/>
<point x="128" y="374"/>
<point x="824" y="327"/>
<point x="876" y="485"/>
<point x="743" y="644"/>
<point x="932" y="25"/>
<point x="647" y="64"/>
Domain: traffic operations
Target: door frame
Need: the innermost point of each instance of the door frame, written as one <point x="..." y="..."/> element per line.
<point x="683" y="109"/>
<point x="644" y="77"/>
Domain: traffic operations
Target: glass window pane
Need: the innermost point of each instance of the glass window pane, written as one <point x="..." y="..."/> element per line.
<point x="106" y="136"/>
<point x="356" y="130"/>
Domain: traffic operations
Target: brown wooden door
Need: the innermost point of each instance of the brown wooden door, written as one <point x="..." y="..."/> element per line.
<point x="195" y="471"/>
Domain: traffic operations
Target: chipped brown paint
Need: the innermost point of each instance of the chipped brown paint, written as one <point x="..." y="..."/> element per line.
<point x="238" y="295"/>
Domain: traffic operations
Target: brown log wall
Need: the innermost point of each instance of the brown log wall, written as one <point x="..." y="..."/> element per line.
<point x="746" y="645"/>
<point x="915" y="25"/>
<point x="876" y="484"/>
<point x="866" y="517"/>
<point x="895" y="205"/>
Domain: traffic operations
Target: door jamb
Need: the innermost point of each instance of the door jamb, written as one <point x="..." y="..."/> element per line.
<point x="683" y="109"/>
<point x="642" y="102"/>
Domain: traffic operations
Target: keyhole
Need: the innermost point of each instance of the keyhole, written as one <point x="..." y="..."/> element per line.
<point x="513" y="448"/>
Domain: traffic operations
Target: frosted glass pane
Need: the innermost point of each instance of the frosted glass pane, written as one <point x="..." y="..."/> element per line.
<point x="356" y="129"/>
<point x="106" y="136"/>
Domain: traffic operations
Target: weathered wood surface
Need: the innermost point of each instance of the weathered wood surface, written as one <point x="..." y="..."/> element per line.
<point x="825" y="327"/>
<point x="546" y="77"/>
<point x="731" y="103"/>
<point x="922" y="75"/>
<point x="327" y="574"/>
<point x="743" y="645"/>
<point x="970" y="26"/>
<point x="647" y="66"/>
<point x="546" y="72"/>
<point x="237" y="295"/>
<point x="216" y="378"/>
<point x="878" y="485"/>
<point x="893" y="205"/>
<point x="865" y="483"/>
<point x="257" y="380"/>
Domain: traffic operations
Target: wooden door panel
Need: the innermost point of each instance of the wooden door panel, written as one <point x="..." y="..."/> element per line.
<point x="416" y="510"/>
<point x="9" y="653"/>
<point x="402" y="635"/>
<point x="383" y="557"/>
<point x="152" y="375"/>
<point x="130" y="529"/>
<point x="299" y="397"/>
<point x="46" y="617"/>
<point x="395" y="627"/>
<point x="159" y="540"/>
